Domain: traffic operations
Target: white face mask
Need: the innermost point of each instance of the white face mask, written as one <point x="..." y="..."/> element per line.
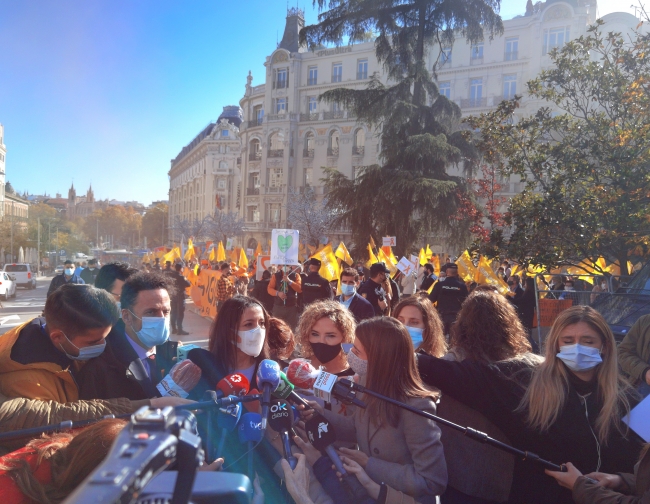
<point x="357" y="364"/>
<point x="252" y="341"/>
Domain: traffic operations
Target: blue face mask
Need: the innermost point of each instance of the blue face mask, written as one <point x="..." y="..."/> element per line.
<point x="348" y="290"/>
<point x="579" y="357"/>
<point x="69" y="271"/>
<point x="155" y="330"/>
<point x="85" y="353"/>
<point x="416" y="334"/>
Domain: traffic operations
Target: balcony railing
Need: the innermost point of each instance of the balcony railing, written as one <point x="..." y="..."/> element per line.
<point x="512" y="55"/>
<point x="333" y="151"/>
<point x="275" y="153"/>
<point x="255" y="122"/>
<point x="473" y="102"/>
<point x="312" y="116"/>
<point x="281" y="84"/>
<point x="252" y="191"/>
<point x="277" y="117"/>
<point x="273" y="189"/>
<point x="358" y="151"/>
<point x="362" y="75"/>
<point x="308" y="153"/>
<point x="255" y="156"/>
<point x="338" y="114"/>
<point x="476" y="60"/>
<point x="337" y="78"/>
<point x="312" y="82"/>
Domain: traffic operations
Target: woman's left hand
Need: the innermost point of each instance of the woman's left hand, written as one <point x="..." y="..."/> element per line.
<point x="215" y="466"/>
<point x="566" y="479"/>
<point x="357" y="455"/>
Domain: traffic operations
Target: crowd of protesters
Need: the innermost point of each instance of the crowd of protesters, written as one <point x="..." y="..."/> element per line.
<point x="430" y="340"/>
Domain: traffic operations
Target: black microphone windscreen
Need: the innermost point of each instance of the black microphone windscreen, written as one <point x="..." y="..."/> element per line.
<point x="320" y="432"/>
<point x="280" y="416"/>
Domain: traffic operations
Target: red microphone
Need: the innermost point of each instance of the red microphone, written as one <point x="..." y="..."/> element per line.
<point x="235" y="384"/>
<point x="253" y="406"/>
<point x="301" y="373"/>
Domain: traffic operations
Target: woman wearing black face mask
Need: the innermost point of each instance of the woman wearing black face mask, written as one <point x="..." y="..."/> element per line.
<point x="323" y="328"/>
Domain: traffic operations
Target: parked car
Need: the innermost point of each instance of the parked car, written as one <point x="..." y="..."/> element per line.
<point x="7" y="286"/>
<point x="58" y="270"/>
<point x="22" y="273"/>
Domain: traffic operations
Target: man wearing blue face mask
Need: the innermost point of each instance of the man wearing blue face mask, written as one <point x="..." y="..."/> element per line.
<point x="358" y="305"/>
<point x="139" y="352"/>
<point x="42" y="358"/>
<point x="67" y="277"/>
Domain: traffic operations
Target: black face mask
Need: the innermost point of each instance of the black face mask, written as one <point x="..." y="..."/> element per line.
<point x="326" y="353"/>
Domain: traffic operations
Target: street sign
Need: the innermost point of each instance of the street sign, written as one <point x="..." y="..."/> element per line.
<point x="388" y="241"/>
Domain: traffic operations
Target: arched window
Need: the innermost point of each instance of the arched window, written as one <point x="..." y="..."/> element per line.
<point x="359" y="142"/>
<point x="276" y="144"/>
<point x="333" y="146"/>
<point x="309" y="145"/>
<point x="223" y="165"/>
<point x="255" y="150"/>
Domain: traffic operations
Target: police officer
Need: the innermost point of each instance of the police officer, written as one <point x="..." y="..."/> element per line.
<point x="314" y="286"/>
<point x="449" y="295"/>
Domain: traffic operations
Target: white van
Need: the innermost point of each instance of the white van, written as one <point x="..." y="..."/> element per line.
<point x="23" y="274"/>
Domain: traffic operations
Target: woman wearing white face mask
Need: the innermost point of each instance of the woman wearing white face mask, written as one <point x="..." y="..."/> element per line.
<point x="423" y="324"/>
<point x="567" y="408"/>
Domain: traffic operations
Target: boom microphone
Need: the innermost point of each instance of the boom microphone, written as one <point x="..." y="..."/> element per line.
<point x="268" y="377"/>
<point x="281" y="420"/>
<point x="327" y="386"/>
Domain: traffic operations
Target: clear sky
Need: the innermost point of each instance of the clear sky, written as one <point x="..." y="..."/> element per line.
<point x="107" y="92"/>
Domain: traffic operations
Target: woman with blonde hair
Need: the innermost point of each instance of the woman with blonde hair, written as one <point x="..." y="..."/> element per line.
<point x="569" y="407"/>
<point x="324" y="327"/>
<point x="423" y="324"/>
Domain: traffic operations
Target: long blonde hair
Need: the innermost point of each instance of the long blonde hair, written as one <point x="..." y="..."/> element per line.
<point x="546" y="394"/>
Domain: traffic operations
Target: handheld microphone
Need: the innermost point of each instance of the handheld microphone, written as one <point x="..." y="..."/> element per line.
<point x="253" y="406"/>
<point x="250" y="432"/>
<point x="235" y="384"/>
<point x="285" y="391"/>
<point x="268" y="377"/>
<point x="327" y="386"/>
<point x="227" y="419"/>
<point x="321" y="434"/>
<point x="281" y="420"/>
<point x="301" y="373"/>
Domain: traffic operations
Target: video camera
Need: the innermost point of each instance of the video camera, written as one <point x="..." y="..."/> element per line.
<point x="135" y="469"/>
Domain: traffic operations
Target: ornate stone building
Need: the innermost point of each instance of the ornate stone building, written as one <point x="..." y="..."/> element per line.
<point x="206" y="174"/>
<point x="3" y="154"/>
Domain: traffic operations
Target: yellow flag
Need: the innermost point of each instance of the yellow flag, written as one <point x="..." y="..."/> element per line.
<point x="329" y="268"/>
<point x="435" y="260"/>
<point x="371" y="257"/>
<point x="172" y="255"/>
<point x="343" y="254"/>
<point x="382" y="257"/>
<point x="221" y="253"/>
<point x="372" y="243"/>
<point x="388" y="251"/>
<point x="243" y="260"/>
<point x="466" y="268"/>
<point x="190" y="250"/>
<point x="338" y="287"/>
<point x="427" y="252"/>
<point x="234" y="255"/>
<point x="212" y="255"/>
<point x="422" y="257"/>
<point x="431" y="288"/>
<point x="484" y="274"/>
<point x="258" y="250"/>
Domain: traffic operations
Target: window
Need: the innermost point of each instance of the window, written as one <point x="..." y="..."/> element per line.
<point x="333" y="147"/>
<point x="280" y="105"/>
<point x="253" y="214"/>
<point x="309" y="145"/>
<point x="255" y="150"/>
<point x="337" y="72"/>
<point x="512" y="49"/>
<point x="509" y="86"/>
<point x="224" y="133"/>
<point x="477" y="53"/>
<point x="221" y="184"/>
<point x="555" y="38"/>
<point x="362" y="69"/>
<point x="444" y="88"/>
<point x="281" y="78"/>
<point x="475" y="92"/>
<point x="359" y="142"/>
<point x="275" y="177"/>
<point x="445" y="56"/>
<point x="258" y="115"/>
<point x="273" y="212"/>
<point x="308" y="176"/>
<point x="312" y="80"/>
<point x="336" y="107"/>
<point x="313" y="105"/>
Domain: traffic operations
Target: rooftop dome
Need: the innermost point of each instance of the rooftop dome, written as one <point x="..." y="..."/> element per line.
<point x="233" y="113"/>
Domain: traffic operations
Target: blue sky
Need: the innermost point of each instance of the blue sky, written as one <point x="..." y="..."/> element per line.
<point x="107" y="92"/>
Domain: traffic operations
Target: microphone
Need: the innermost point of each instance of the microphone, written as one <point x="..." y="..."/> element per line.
<point x="327" y="386"/>
<point x="321" y="434"/>
<point x="285" y="391"/>
<point x="250" y="433"/>
<point x="281" y="420"/>
<point x="268" y="377"/>
<point x="235" y="384"/>
<point x="301" y="373"/>
<point x="227" y="419"/>
<point x="253" y="406"/>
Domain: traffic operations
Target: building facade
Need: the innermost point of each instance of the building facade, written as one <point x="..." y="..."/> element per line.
<point x="3" y="155"/>
<point x="206" y="174"/>
<point x="16" y="209"/>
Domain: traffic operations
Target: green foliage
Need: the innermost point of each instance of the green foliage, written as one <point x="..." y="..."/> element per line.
<point x="410" y="193"/>
<point x="154" y="225"/>
<point x="587" y="170"/>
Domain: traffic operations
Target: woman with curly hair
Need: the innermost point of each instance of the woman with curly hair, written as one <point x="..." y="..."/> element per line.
<point x="423" y="324"/>
<point x="322" y="330"/>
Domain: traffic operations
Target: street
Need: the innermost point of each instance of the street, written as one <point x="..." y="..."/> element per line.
<point x="30" y="303"/>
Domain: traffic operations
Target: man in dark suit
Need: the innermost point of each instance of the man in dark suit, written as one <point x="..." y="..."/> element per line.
<point x="358" y="305"/>
<point x="138" y="351"/>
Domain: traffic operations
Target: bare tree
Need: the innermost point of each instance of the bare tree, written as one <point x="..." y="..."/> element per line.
<point x="186" y="228"/>
<point x="309" y="216"/>
<point x="224" y="225"/>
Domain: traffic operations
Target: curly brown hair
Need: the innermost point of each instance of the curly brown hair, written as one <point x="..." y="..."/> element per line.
<point x="333" y="310"/>
<point x="433" y="337"/>
<point x="280" y="339"/>
<point x="488" y="329"/>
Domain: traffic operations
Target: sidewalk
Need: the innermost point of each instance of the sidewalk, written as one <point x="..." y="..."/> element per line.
<point x="196" y="325"/>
